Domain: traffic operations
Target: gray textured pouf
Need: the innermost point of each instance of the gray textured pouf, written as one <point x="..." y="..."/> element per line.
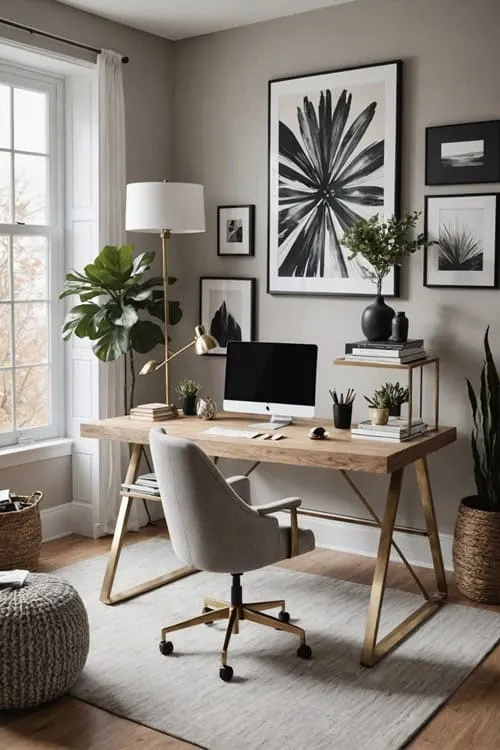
<point x="44" y="641"/>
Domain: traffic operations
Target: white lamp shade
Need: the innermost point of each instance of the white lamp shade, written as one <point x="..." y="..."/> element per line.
<point x="154" y="206"/>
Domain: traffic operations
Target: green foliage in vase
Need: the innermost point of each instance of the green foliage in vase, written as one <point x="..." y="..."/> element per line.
<point x="384" y="244"/>
<point x="485" y="437"/>
<point x="187" y="388"/>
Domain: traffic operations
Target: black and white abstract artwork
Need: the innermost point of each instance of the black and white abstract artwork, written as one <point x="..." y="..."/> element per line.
<point x="463" y="153"/>
<point x="235" y="230"/>
<point x="463" y="233"/>
<point x="333" y="158"/>
<point x="227" y="310"/>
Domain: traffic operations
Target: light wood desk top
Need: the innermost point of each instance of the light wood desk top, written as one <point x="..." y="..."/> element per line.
<point x="340" y="451"/>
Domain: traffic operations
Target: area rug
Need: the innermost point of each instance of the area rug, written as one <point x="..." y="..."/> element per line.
<point x="275" y="700"/>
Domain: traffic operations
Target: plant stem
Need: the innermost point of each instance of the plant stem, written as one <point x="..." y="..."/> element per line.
<point x="379" y="286"/>
<point x="125" y="388"/>
<point x="132" y="377"/>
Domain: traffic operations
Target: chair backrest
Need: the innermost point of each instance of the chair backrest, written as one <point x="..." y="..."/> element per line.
<point x="210" y="526"/>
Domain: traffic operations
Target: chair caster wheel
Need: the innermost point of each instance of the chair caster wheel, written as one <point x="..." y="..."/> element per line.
<point x="204" y="612"/>
<point x="284" y="616"/>
<point x="166" y="647"/>
<point x="304" y="651"/>
<point x="226" y="673"/>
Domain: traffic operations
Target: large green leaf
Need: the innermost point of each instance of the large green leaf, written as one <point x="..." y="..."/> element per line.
<point x="80" y="321"/>
<point x="113" y="342"/>
<point x="128" y="317"/>
<point x="145" y="335"/>
<point x="117" y="260"/>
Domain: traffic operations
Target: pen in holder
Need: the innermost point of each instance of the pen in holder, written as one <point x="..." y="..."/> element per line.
<point x="342" y="408"/>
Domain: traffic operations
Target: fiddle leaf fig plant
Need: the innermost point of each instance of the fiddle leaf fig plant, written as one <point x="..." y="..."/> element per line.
<point x="115" y="293"/>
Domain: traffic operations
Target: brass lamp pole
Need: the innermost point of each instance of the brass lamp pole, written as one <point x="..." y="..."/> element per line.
<point x="165" y="236"/>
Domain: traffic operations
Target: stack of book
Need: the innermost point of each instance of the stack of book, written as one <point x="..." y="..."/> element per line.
<point x="385" y="352"/>
<point x="145" y="484"/>
<point x="155" y="411"/>
<point x="396" y="430"/>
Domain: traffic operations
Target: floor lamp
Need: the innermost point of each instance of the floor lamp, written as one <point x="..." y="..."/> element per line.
<point x="167" y="208"/>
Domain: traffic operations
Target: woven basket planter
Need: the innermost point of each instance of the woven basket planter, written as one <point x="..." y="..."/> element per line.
<point x="476" y="552"/>
<point x="21" y="535"/>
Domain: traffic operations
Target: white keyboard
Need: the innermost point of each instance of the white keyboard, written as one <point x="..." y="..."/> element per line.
<point x="230" y="432"/>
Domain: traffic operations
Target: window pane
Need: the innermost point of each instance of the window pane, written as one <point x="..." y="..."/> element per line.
<point x="30" y="121"/>
<point x="32" y="397"/>
<point x="31" y="332"/>
<point x="30" y="176"/>
<point x="29" y="256"/>
<point x="4" y="268"/>
<point x="5" y="188"/>
<point x="6" y="424"/>
<point x="5" y="336"/>
<point x="4" y="116"/>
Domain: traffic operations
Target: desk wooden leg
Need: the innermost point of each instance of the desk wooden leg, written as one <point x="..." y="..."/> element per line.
<point x="373" y="651"/>
<point x="116" y="547"/>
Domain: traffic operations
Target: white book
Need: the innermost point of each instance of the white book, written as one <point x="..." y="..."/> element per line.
<point x="395" y="426"/>
<point x="395" y="438"/>
<point x="385" y="360"/>
<point x="13" y="578"/>
<point x="386" y="353"/>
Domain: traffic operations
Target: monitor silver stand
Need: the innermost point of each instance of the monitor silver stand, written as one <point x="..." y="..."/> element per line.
<point x="275" y="423"/>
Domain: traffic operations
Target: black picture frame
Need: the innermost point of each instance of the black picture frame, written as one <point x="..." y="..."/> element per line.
<point x="461" y="267"/>
<point x="340" y="85"/>
<point x="239" y="240"/>
<point x="463" y="153"/>
<point x="237" y="314"/>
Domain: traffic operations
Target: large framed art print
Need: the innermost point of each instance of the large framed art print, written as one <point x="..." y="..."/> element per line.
<point x="333" y="158"/>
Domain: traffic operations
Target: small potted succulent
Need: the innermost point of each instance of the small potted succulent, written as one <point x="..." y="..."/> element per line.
<point x="397" y="395"/>
<point x="379" y="407"/>
<point x="188" y="391"/>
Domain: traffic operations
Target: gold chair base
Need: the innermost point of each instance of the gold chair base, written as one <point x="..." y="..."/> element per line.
<point x="253" y="611"/>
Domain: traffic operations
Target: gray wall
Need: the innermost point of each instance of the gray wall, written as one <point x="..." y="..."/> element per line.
<point x="451" y="61"/>
<point x="148" y="81"/>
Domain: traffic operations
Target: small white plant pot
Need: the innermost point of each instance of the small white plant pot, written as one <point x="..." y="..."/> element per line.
<point x="379" y="416"/>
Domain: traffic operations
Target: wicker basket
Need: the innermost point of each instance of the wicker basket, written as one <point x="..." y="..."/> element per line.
<point x="476" y="552"/>
<point x="21" y="535"/>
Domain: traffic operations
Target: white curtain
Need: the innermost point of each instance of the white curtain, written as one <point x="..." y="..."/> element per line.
<point x="112" y="188"/>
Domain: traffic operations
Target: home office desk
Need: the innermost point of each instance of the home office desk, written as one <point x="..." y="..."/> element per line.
<point x="341" y="453"/>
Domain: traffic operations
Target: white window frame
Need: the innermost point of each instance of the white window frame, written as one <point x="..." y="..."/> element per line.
<point x="27" y="78"/>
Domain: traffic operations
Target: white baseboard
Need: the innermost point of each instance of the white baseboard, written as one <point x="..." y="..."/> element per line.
<point x="82" y="520"/>
<point x="363" y="540"/>
<point x="56" y="522"/>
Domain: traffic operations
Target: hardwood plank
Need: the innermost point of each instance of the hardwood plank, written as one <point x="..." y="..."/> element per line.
<point x="470" y="718"/>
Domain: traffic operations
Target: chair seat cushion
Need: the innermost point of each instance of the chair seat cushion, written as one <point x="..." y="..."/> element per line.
<point x="306" y="541"/>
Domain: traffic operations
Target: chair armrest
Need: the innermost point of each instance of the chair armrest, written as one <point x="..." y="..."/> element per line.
<point x="287" y="503"/>
<point x="241" y="485"/>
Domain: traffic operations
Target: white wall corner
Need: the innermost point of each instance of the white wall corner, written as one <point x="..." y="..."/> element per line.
<point x="363" y="540"/>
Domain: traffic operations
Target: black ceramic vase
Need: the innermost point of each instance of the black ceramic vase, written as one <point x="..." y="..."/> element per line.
<point x="189" y="406"/>
<point x="376" y="320"/>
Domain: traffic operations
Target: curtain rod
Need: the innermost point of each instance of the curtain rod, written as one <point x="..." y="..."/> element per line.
<point x="62" y="39"/>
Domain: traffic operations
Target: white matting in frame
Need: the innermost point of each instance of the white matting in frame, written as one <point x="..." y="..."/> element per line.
<point x="333" y="158"/>
<point x="464" y="231"/>
<point x="235" y="230"/>
<point x="227" y="309"/>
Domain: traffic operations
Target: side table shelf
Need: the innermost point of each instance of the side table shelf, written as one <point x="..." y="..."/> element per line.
<point x="419" y="364"/>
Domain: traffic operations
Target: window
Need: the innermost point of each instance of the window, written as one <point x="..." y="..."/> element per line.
<point x="31" y="221"/>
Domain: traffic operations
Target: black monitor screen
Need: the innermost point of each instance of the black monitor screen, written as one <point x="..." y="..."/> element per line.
<point x="271" y="373"/>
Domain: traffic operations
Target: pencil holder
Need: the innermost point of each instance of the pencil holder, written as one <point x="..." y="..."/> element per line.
<point x="342" y="416"/>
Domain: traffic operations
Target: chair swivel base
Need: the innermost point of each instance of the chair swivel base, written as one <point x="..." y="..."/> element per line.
<point x="215" y="610"/>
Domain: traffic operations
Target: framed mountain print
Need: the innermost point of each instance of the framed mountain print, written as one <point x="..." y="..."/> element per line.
<point x="463" y="230"/>
<point x="334" y="157"/>
<point x="227" y="309"/>
<point x="462" y="154"/>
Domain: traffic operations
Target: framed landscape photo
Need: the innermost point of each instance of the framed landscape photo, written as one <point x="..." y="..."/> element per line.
<point x="464" y="233"/>
<point x="334" y="157"/>
<point x="227" y="309"/>
<point x="462" y="154"/>
<point x="235" y="230"/>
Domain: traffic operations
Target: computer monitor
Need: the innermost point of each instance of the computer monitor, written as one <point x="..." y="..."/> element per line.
<point x="274" y="379"/>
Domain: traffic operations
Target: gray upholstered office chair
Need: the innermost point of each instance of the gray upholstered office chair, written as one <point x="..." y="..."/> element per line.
<point x="213" y="527"/>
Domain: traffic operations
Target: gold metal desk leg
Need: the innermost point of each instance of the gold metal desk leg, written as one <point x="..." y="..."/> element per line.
<point x="116" y="547"/>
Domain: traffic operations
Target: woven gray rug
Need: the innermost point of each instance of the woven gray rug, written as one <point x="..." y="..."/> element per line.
<point x="275" y="700"/>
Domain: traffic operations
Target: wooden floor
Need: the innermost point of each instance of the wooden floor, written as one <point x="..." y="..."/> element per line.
<point x="470" y="719"/>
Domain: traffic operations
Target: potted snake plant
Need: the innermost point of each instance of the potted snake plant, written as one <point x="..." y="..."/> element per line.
<point x="476" y="543"/>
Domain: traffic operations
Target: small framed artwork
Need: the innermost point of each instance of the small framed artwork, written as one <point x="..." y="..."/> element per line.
<point x="462" y="154"/>
<point x="464" y="233"/>
<point x="235" y="230"/>
<point x="227" y="309"/>
<point x="334" y="157"/>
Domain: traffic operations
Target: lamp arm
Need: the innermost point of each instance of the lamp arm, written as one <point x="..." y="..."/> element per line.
<point x="165" y="361"/>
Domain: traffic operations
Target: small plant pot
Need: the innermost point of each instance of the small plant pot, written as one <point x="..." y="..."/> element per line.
<point x="379" y="416"/>
<point x="395" y="411"/>
<point x="476" y="552"/>
<point x="189" y="406"/>
<point x="342" y="416"/>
